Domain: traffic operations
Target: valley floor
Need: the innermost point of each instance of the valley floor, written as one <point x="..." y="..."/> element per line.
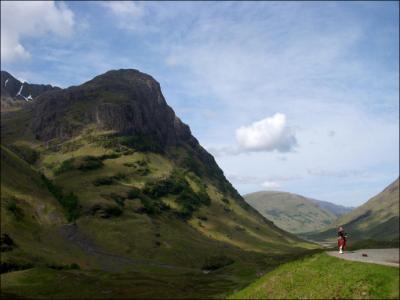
<point x="141" y="281"/>
<point x="325" y="277"/>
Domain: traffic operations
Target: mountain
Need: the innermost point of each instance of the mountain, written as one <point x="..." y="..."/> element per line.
<point x="105" y="178"/>
<point x="15" y="93"/>
<point x="294" y="213"/>
<point x="337" y="210"/>
<point x="377" y="219"/>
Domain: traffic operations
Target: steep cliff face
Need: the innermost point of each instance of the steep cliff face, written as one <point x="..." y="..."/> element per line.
<point x="124" y="101"/>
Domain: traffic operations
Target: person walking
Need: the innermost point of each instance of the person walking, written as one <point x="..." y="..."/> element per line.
<point x="342" y="236"/>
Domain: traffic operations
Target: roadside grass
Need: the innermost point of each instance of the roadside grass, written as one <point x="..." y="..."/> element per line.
<point x="325" y="277"/>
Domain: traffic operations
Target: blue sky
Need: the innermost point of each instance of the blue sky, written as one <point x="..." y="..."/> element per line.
<point x="293" y="96"/>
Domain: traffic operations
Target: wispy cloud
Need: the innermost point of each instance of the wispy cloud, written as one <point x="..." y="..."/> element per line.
<point x="270" y="185"/>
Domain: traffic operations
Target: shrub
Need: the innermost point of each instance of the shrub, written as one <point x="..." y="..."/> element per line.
<point x="118" y="199"/>
<point x="86" y="163"/>
<point x="66" y="165"/>
<point x="105" y="212"/>
<point x="177" y="185"/>
<point x="89" y="163"/>
<point x="26" y="153"/>
<point x="203" y="218"/>
<point x="13" y="208"/>
<point x="14" y="266"/>
<point x="112" y="212"/>
<point x="174" y="184"/>
<point x="109" y="180"/>
<point x="225" y="200"/>
<point x="143" y="171"/>
<point x="103" y="181"/>
<point x="141" y="143"/>
<point x="6" y="243"/>
<point x="119" y="176"/>
<point x="217" y="262"/>
<point x="74" y="266"/>
<point x="109" y="156"/>
<point x="134" y="193"/>
<point x="69" y="202"/>
<point x="153" y="206"/>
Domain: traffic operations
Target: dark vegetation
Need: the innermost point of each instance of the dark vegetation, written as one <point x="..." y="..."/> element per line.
<point x="216" y="262"/>
<point x="177" y="185"/>
<point x="85" y="163"/>
<point x="141" y="167"/>
<point x="68" y="201"/>
<point x="109" y="180"/>
<point x="14" y="266"/>
<point x="127" y="143"/>
<point x="25" y="152"/>
<point x="105" y="212"/>
<point x="73" y="266"/>
<point x="6" y="243"/>
<point x="13" y="208"/>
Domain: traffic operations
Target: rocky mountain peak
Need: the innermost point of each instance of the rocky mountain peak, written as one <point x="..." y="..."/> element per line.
<point x="125" y="101"/>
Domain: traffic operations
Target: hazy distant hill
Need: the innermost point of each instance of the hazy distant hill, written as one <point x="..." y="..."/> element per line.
<point x="295" y="213"/>
<point x="377" y="219"/>
<point x="337" y="210"/>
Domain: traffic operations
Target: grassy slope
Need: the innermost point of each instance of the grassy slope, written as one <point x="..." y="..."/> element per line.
<point x="325" y="277"/>
<point x="290" y="212"/>
<point x="133" y="244"/>
<point x="36" y="214"/>
<point x="377" y="219"/>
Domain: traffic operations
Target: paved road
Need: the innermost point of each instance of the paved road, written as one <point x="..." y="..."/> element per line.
<point x="387" y="257"/>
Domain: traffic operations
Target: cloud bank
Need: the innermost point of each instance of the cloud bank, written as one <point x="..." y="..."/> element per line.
<point x="22" y="19"/>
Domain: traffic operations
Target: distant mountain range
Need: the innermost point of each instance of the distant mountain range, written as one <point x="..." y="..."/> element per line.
<point x="295" y="213"/>
<point x="377" y="219"/>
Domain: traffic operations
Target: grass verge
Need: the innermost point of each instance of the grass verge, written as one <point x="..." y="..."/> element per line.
<point x="325" y="277"/>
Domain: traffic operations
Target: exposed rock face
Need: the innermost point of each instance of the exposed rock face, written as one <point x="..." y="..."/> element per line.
<point x="126" y="101"/>
<point x="15" y="93"/>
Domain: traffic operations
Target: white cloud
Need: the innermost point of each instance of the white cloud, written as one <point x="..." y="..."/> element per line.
<point x="21" y="19"/>
<point x="124" y="8"/>
<point x="129" y="14"/>
<point x="267" y="135"/>
<point x="270" y="185"/>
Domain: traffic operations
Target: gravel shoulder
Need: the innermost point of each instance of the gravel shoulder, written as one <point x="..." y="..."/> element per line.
<point x="387" y="257"/>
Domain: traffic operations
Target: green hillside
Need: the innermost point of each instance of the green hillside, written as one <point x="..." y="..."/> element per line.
<point x="325" y="277"/>
<point x="291" y="212"/>
<point x="377" y="219"/>
<point x="104" y="179"/>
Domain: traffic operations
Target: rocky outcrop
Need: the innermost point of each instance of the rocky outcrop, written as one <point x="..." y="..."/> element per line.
<point x="126" y="101"/>
<point x="15" y="93"/>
